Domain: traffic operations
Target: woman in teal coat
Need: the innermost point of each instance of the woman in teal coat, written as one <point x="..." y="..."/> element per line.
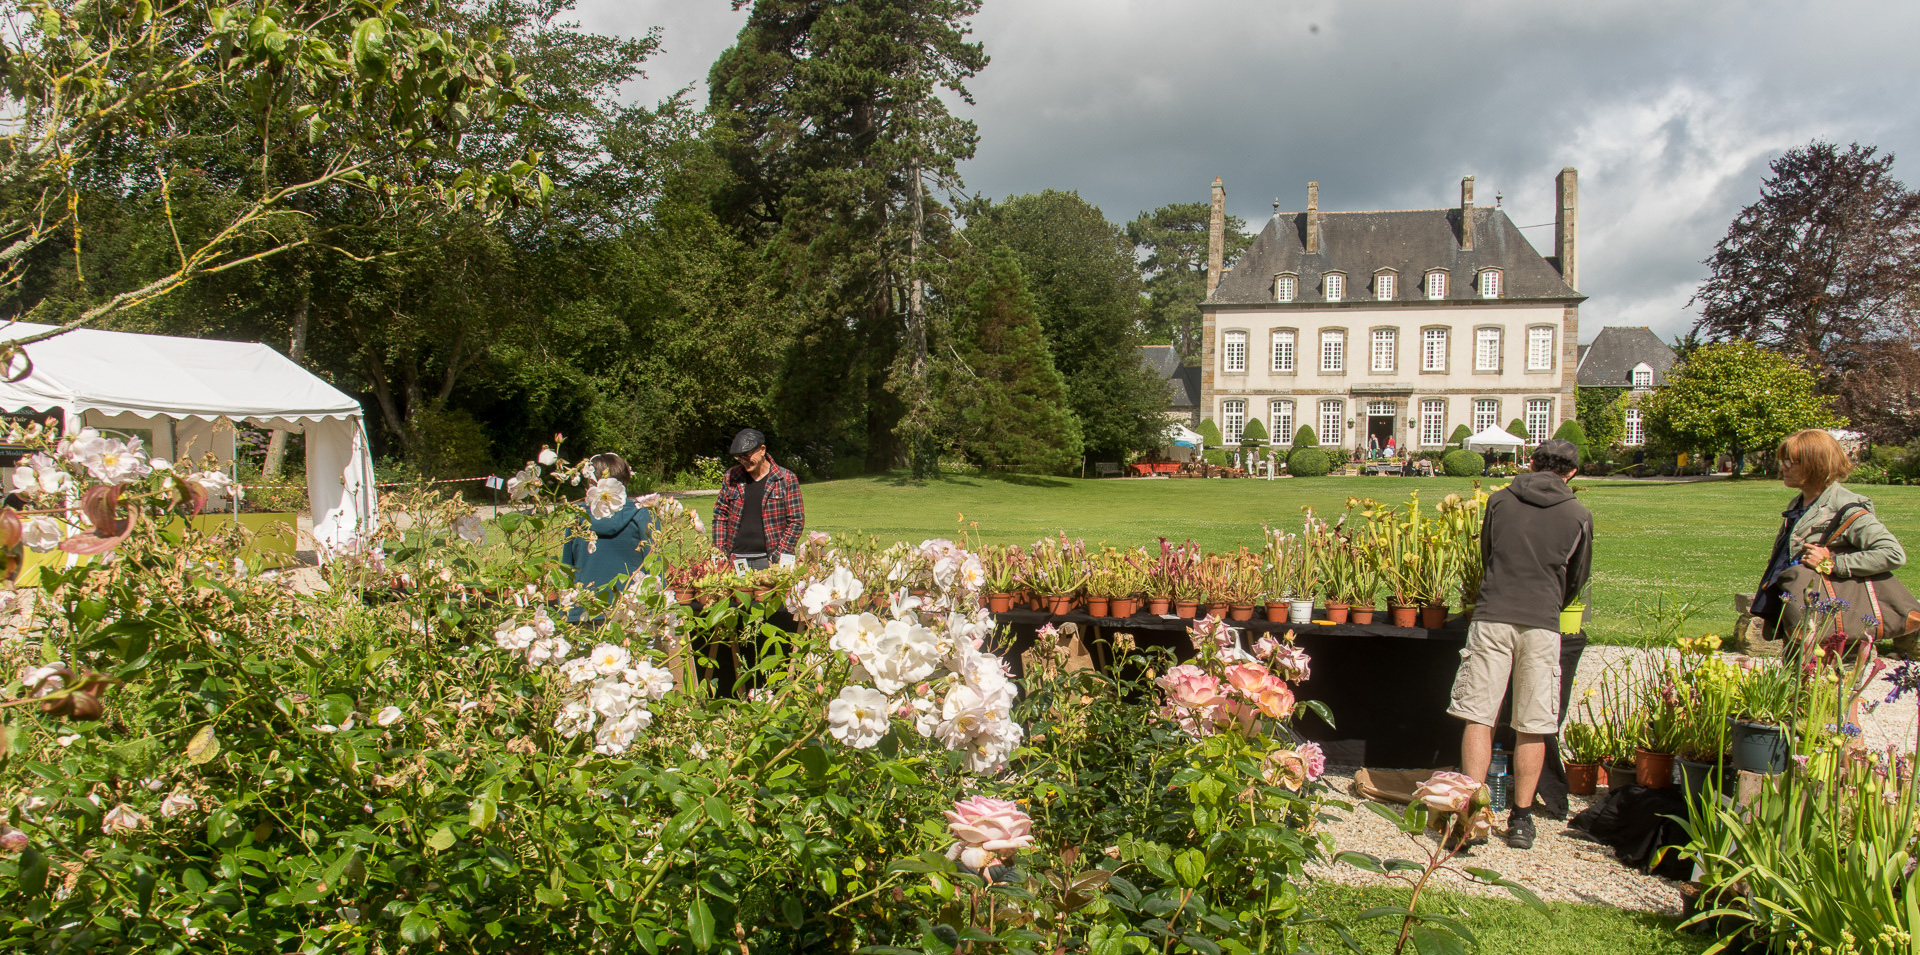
<point x="616" y="543"/>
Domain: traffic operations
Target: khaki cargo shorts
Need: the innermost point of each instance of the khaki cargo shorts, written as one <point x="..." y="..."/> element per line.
<point x="1496" y="652"/>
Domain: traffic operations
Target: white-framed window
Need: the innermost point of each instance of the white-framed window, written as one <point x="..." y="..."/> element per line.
<point x="1385" y="343"/>
<point x="1333" y="350"/>
<point x="1235" y="352"/>
<point x="1489" y="283"/>
<point x="1636" y="428"/>
<point x="1336" y="286"/>
<point x="1642" y="377"/>
<point x="1486" y="414"/>
<point x="1333" y="413"/>
<point x="1539" y="419"/>
<point x="1540" y="348"/>
<point x="1433" y="350"/>
<point x="1383" y="286"/>
<point x="1283" y="349"/>
<point x="1433" y="422"/>
<point x="1233" y="420"/>
<point x="1436" y="285"/>
<point x="1280" y="421"/>
<point x="1283" y="288"/>
<point x="1486" y="349"/>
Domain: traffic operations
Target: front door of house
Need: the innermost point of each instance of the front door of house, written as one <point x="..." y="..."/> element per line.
<point x="1380" y="418"/>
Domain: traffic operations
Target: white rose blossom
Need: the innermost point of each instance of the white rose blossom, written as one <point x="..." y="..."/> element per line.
<point x="122" y="818"/>
<point x="547" y="457"/>
<point x="609" y="659"/>
<point x="468" y="528"/>
<point x="606" y="496"/>
<point x="655" y="682"/>
<point x="859" y="717"/>
<point x="388" y="716"/>
<point x="549" y="650"/>
<point x="177" y="804"/>
<point x="576" y="717"/>
<point x="522" y="485"/>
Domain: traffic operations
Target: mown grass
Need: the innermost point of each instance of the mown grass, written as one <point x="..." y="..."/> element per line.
<point x="1500" y="925"/>
<point x="1699" y="542"/>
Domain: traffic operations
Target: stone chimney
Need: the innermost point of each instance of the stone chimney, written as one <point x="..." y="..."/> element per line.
<point x="1566" y="225"/>
<point x="1216" y="236"/>
<point x="1313" y="217"/>
<point x="1466" y="214"/>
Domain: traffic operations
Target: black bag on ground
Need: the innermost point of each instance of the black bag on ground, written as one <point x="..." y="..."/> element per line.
<point x="1635" y="822"/>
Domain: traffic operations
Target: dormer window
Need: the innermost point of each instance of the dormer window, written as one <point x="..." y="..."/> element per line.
<point x="1642" y="377"/>
<point x="1336" y="285"/>
<point x="1284" y="287"/>
<point x="1436" y="285"/>
<point x="1489" y="283"/>
<point x="1383" y="286"/>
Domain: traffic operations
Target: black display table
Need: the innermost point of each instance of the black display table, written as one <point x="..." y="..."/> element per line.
<point x="1388" y="687"/>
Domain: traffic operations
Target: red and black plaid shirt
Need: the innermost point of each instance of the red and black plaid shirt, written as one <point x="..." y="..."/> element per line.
<point x="780" y="509"/>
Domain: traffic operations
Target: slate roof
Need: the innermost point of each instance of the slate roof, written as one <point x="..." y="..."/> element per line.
<point x="1183" y="381"/>
<point x="1617" y="350"/>
<point x="1410" y="242"/>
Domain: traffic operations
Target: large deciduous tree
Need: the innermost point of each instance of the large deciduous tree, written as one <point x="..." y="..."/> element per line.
<point x="1823" y="268"/>
<point x="1086" y="279"/>
<point x="1735" y="397"/>
<point x="830" y="115"/>
<point x="1173" y="257"/>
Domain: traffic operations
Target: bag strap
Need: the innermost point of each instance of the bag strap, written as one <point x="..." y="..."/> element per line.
<point x="1843" y="519"/>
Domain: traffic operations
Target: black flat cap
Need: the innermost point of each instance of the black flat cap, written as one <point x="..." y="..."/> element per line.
<point x="746" y="441"/>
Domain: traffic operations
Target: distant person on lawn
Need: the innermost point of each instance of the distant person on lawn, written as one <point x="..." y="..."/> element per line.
<point x="1536" y="544"/>
<point x="759" y="515"/>
<point x="620" y="539"/>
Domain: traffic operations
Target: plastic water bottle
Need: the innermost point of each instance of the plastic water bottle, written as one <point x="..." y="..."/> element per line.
<point x="1500" y="779"/>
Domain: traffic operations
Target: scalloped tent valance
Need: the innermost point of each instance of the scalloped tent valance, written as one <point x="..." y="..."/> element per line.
<point x="109" y="374"/>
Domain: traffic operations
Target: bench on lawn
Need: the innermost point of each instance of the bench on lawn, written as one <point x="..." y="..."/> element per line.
<point x="1106" y="469"/>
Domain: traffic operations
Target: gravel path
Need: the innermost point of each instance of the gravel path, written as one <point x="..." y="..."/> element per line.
<point x="1564" y="865"/>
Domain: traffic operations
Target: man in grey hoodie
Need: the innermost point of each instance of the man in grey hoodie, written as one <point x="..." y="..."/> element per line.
<point x="1536" y="544"/>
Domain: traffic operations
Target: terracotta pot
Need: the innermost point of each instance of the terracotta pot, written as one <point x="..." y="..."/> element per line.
<point x="1240" y="612"/>
<point x="1405" y="616"/>
<point x="1059" y="606"/>
<point x="1338" y="612"/>
<point x="1158" y="605"/>
<point x="1036" y="602"/>
<point x="999" y="603"/>
<point x="1433" y="618"/>
<point x="1362" y="615"/>
<point x="1121" y="607"/>
<point x="1187" y="608"/>
<point x="1276" y="611"/>
<point x="1619" y="777"/>
<point x="1652" y="770"/>
<point x="1098" y="606"/>
<point x="1583" y="778"/>
<point x="1217" y="611"/>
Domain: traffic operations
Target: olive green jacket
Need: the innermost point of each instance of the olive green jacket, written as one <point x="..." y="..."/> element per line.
<point x="1867" y="547"/>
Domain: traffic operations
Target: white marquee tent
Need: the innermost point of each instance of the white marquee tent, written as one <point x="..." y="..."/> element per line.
<point x="183" y="394"/>
<point x="1496" y="439"/>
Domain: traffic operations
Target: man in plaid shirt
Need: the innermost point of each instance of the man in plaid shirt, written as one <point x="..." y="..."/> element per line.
<point x="759" y="515"/>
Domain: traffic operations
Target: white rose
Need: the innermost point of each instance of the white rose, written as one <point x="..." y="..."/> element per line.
<point x="609" y="659"/>
<point x="605" y="497"/>
<point x="547" y="457"/>
<point x="655" y="682"/>
<point x="387" y="716"/>
<point x="575" y="718"/>
<point x="469" y="528"/>
<point x="548" y="650"/>
<point x="858" y="717"/>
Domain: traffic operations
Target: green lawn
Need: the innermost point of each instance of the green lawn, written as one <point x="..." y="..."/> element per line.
<point x="1502" y="925"/>
<point x="1701" y="541"/>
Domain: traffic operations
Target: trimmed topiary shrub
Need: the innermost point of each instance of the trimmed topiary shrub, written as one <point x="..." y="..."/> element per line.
<point x="1460" y="436"/>
<point x="1254" y="435"/>
<point x="1461" y="462"/>
<point x="1518" y="429"/>
<point x="1570" y="430"/>
<point x="1210" y="437"/>
<point x="1305" y="438"/>
<point x="1310" y="462"/>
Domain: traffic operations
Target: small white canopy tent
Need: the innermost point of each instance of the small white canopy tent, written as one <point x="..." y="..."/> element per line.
<point x="1496" y="439"/>
<point x="186" y="392"/>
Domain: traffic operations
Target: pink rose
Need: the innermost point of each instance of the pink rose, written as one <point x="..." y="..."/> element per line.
<point x="1447" y="792"/>
<point x="1286" y="768"/>
<point x="1316" y="760"/>
<point x="1189" y="686"/>
<point x="1265" y="646"/>
<point x="988" y="830"/>
<point x="1270" y="693"/>
<point x="1291" y="663"/>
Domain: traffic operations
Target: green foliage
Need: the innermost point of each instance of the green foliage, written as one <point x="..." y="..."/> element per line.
<point x="1211" y="439"/>
<point x="449" y="444"/>
<point x="1518" y="429"/>
<point x="1460" y="435"/>
<point x="1254" y="434"/>
<point x="1173" y="243"/>
<point x="1304" y="437"/>
<point x="1737" y="397"/>
<point x="1007" y="405"/>
<point x="1086" y="280"/>
<point x="1309" y="462"/>
<point x="1570" y="430"/>
<point x="1461" y="462"/>
<point x="1602" y="413"/>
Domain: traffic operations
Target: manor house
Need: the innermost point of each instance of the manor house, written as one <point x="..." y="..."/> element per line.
<point x="1399" y="325"/>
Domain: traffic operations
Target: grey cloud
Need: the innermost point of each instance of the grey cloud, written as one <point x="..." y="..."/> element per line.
<point x="1671" y="110"/>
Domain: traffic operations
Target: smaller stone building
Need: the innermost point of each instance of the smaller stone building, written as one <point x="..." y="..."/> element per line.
<point x="1631" y="358"/>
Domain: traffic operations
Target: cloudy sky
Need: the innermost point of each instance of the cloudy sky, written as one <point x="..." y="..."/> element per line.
<point x="1671" y="110"/>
